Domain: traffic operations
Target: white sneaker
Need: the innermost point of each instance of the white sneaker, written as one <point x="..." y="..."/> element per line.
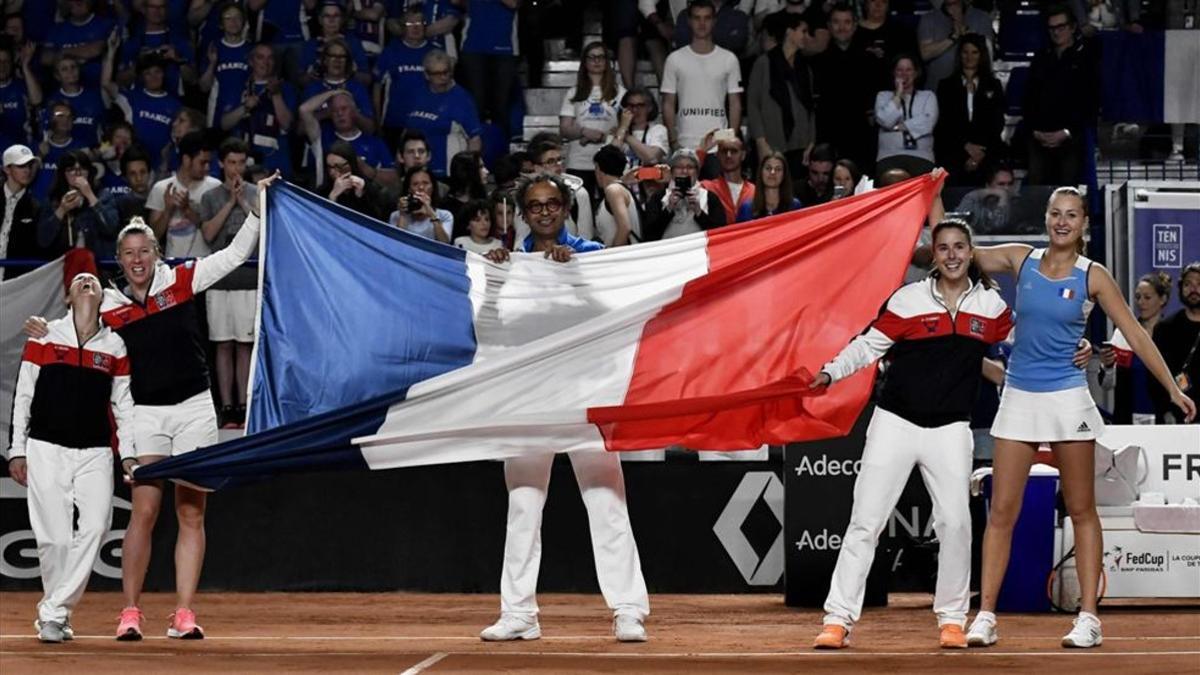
<point x="628" y="628"/>
<point x="1085" y="632"/>
<point x="983" y="631"/>
<point x="512" y="627"/>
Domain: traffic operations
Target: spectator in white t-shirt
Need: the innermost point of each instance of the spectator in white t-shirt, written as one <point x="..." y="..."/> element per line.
<point x="589" y="114"/>
<point x="701" y="86"/>
<point x="639" y="134"/>
<point x="174" y="203"/>
<point x="481" y="233"/>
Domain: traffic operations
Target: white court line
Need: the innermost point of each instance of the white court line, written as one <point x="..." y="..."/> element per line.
<point x="424" y="665"/>
<point x="957" y="653"/>
<point x="544" y="638"/>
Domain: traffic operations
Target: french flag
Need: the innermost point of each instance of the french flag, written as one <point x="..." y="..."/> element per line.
<point x="1150" y="76"/>
<point x="378" y="349"/>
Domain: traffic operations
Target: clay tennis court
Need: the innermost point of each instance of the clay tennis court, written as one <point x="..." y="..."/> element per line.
<point x="406" y="632"/>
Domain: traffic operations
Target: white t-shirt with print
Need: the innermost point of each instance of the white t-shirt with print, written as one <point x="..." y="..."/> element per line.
<point x="184" y="239"/>
<point x="700" y="83"/>
<point x="591" y="113"/>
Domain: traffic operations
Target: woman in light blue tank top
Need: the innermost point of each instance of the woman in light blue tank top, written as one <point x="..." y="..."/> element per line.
<point x="1046" y="399"/>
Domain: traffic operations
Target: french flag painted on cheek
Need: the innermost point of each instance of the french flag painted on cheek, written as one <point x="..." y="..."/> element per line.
<point x="380" y="349"/>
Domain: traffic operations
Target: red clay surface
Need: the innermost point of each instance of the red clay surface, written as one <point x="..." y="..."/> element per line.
<point x="396" y="632"/>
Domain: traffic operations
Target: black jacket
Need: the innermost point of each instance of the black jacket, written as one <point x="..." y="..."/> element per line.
<point x="658" y="217"/>
<point x="954" y="129"/>
<point x="1063" y="90"/>
<point x="23" y="238"/>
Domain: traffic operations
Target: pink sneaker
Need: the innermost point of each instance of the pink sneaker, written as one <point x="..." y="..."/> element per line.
<point x="183" y="625"/>
<point x="129" y="628"/>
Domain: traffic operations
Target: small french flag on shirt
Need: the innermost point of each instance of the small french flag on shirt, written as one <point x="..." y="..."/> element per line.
<point x="1066" y="293"/>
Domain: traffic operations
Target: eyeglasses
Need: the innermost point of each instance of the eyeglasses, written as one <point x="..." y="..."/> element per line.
<point x="551" y="161"/>
<point x="549" y="206"/>
<point x="414" y="24"/>
<point x="438" y="73"/>
<point x="597" y="57"/>
<point x="1055" y="27"/>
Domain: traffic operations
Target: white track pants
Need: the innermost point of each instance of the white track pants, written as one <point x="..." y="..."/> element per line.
<point x="602" y="485"/>
<point x="61" y="480"/>
<point x="893" y="447"/>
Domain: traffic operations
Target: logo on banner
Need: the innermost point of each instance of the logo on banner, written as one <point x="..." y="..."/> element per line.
<point x="1186" y="464"/>
<point x="823" y="466"/>
<point x="18" y="548"/>
<point x="1117" y="559"/>
<point x="1168" y="246"/>
<point x="758" y="491"/>
<point x="821" y="541"/>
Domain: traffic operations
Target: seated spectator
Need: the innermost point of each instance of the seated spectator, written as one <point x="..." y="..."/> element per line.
<point x="488" y="58"/>
<point x="589" y="114"/>
<point x="71" y="218"/>
<point x="639" y="134"/>
<point x="780" y="98"/>
<point x="817" y="187"/>
<point x="227" y="65"/>
<point x="174" y="202"/>
<point x="731" y="187"/>
<point x="375" y="160"/>
<point x="730" y="27"/>
<point x="504" y="216"/>
<point x="345" y="184"/>
<point x="475" y="217"/>
<point x="701" y="83"/>
<point x="618" y="221"/>
<point x="153" y="34"/>
<point x="466" y="181"/>
<point x="20" y="212"/>
<point x="989" y="209"/>
<point x="906" y="117"/>
<point x="336" y="72"/>
<point x="413" y="150"/>
<point x="845" y="104"/>
<point x="1061" y="103"/>
<point x="445" y="113"/>
<point x="231" y="302"/>
<point x="545" y="149"/>
<point x="399" y="72"/>
<point x="940" y="33"/>
<point x="149" y="108"/>
<point x="846" y="176"/>
<point x="120" y="203"/>
<point x="57" y="142"/>
<point x="263" y="117"/>
<point x="506" y="171"/>
<point x="684" y="206"/>
<point x="331" y="20"/>
<point x="87" y="104"/>
<point x="970" y="115"/>
<point x="186" y="121"/>
<point x="883" y="38"/>
<point x="18" y="95"/>
<point x="774" y="192"/>
<point x="415" y="212"/>
<point x="81" y="34"/>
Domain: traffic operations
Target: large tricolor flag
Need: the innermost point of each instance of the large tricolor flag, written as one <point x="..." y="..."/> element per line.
<point x="378" y="349"/>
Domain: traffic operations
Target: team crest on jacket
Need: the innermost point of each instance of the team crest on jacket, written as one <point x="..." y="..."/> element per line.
<point x="977" y="326"/>
<point x="164" y="299"/>
<point x="101" y="361"/>
<point x="931" y="323"/>
<point x="60" y="353"/>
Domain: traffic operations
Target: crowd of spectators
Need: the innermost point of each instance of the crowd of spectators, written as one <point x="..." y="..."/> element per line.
<point x="412" y="113"/>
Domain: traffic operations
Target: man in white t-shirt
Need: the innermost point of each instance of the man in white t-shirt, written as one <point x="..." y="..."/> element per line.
<point x="174" y="203"/>
<point x="702" y="83"/>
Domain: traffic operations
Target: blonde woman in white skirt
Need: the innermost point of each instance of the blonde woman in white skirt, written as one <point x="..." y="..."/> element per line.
<point x="1046" y="400"/>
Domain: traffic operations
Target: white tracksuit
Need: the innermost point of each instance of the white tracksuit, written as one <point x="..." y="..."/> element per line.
<point x="602" y="485"/>
<point x="61" y="428"/>
<point x="922" y="420"/>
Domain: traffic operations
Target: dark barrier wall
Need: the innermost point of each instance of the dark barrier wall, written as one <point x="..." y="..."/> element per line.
<point x="442" y="529"/>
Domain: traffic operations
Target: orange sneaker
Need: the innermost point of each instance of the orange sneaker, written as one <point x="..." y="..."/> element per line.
<point x="953" y="637"/>
<point x="183" y="625"/>
<point x="832" y="636"/>
<point x="129" y="626"/>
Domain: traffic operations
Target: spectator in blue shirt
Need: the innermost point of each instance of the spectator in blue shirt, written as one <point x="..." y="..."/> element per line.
<point x="441" y="18"/>
<point x="445" y="113"/>
<point x="154" y="34"/>
<point x="57" y="142"/>
<point x="87" y="105"/>
<point x="17" y="96"/>
<point x="281" y="25"/>
<point x="149" y="108"/>
<point x="336" y="72"/>
<point x="332" y="20"/>
<point x="264" y="115"/>
<point x="226" y="65"/>
<point x="80" y="34"/>
<point x="399" y="72"/>
<point x="489" y="57"/>
<point x="374" y="158"/>
<point x="545" y="200"/>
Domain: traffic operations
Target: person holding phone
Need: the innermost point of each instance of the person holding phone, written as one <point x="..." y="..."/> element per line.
<point x="684" y="206"/>
<point x="1124" y="372"/>
<point x="906" y="117"/>
<point x="644" y="140"/>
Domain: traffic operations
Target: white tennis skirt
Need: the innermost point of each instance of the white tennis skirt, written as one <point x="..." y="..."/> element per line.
<point x="1046" y="417"/>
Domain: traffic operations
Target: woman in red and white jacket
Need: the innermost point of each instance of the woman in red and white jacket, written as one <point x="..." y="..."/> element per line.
<point x="61" y="437"/>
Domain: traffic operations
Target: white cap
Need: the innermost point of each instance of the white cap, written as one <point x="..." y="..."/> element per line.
<point x="18" y="154"/>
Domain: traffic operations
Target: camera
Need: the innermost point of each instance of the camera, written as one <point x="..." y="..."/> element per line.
<point x="683" y="183"/>
<point x="412" y="204"/>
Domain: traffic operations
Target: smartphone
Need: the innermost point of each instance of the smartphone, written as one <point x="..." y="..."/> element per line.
<point x="683" y="183"/>
<point x="725" y="135"/>
<point x="650" y="173"/>
<point x="839" y="191"/>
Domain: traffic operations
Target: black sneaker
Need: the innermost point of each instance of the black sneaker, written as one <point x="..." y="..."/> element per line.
<point x="227" y="418"/>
